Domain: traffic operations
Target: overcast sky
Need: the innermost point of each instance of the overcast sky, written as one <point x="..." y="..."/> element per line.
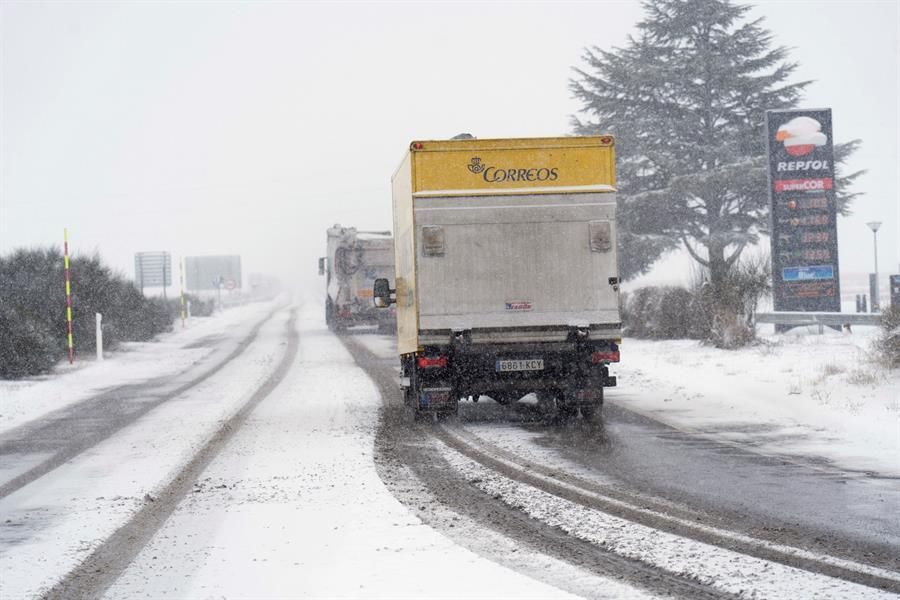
<point x="248" y="128"/>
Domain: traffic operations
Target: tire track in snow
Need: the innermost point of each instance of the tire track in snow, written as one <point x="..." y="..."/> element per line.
<point x="87" y="423"/>
<point x="103" y="566"/>
<point x="414" y="447"/>
<point x="582" y="493"/>
<point x="833" y="571"/>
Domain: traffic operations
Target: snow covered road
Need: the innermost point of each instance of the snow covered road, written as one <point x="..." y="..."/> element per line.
<point x="790" y="516"/>
<point x="257" y="481"/>
<point x="271" y="463"/>
<point x="51" y="524"/>
<point x="293" y="507"/>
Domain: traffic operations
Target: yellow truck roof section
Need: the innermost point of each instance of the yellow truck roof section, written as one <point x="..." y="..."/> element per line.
<point x="513" y="166"/>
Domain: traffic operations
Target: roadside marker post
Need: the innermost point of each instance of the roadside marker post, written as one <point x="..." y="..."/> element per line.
<point x="68" y="296"/>
<point x="99" y="318"/>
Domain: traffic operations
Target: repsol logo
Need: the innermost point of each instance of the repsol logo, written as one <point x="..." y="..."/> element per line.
<point x="803" y="165"/>
<point x="498" y="175"/>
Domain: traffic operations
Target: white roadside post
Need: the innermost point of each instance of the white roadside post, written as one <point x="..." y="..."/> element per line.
<point x="99" y="336"/>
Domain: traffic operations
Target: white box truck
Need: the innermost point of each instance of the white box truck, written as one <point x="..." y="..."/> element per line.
<point x="355" y="260"/>
<point x="506" y="272"/>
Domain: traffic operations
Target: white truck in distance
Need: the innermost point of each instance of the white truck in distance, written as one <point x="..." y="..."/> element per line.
<point x="506" y="272"/>
<point x="355" y="260"/>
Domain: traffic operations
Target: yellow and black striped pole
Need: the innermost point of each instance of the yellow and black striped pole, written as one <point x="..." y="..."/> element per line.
<point x="68" y="295"/>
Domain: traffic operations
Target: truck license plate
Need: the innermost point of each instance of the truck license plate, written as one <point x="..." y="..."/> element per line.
<point x="528" y="364"/>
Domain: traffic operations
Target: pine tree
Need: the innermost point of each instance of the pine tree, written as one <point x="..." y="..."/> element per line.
<point x="686" y="100"/>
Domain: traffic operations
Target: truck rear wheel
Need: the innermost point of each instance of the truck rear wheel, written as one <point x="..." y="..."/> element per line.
<point x="329" y="313"/>
<point x="592" y="413"/>
<point x="565" y="411"/>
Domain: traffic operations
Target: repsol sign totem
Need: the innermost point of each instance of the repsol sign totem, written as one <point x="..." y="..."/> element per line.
<point x="803" y="211"/>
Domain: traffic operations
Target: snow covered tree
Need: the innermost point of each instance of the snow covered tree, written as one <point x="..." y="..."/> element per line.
<point x="686" y="99"/>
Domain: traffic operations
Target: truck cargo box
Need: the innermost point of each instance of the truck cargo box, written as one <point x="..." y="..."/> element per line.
<point x="506" y="240"/>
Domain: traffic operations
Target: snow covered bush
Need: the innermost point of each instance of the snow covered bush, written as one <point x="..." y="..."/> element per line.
<point x="728" y="307"/>
<point x="889" y="342"/>
<point x="663" y="312"/>
<point x="33" y="315"/>
<point x="27" y="346"/>
<point x="719" y="314"/>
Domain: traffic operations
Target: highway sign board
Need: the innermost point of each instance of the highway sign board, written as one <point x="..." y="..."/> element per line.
<point x="204" y="273"/>
<point x="152" y="269"/>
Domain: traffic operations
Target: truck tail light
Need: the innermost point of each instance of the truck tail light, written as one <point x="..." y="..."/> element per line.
<point x="430" y="362"/>
<point x="605" y="356"/>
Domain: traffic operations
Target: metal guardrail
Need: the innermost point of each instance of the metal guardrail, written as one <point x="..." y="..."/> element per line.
<point x="822" y="319"/>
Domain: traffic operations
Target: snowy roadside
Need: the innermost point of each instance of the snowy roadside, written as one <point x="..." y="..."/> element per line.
<point x="55" y="522"/>
<point x="204" y="340"/>
<point x="294" y="507"/>
<point x="795" y="394"/>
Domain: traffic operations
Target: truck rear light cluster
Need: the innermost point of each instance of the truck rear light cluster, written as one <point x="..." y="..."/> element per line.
<point x="605" y="356"/>
<point x="429" y="362"/>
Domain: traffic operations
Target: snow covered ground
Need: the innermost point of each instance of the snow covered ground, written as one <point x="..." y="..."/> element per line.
<point x="56" y="521"/>
<point x="799" y="393"/>
<point x="293" y="507"/>
<point x="27" y="399"/>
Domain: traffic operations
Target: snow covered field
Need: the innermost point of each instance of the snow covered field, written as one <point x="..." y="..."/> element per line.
<point x="799" y="393"/>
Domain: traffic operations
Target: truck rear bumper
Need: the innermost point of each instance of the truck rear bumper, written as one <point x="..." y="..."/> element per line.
<point x="575" y="372"/>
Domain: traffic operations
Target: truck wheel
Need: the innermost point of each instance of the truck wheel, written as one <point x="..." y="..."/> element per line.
<point x="329" y="313"/>
<point x="410" y="414"/>
<point x="565" y="411"/>
<point x="453" y="412"/>
<point x="411" y="411"/>
<point x="546" y="402"/>
<point x="592" y="413"/>
<point x="500" y="398"/>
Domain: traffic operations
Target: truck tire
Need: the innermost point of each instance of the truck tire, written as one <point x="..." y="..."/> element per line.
<point x="592" y="413"/>
<point x="452" y="413"/>
<point x="548" y="404"/>
<point x="329" y="313"/>
<point x="565" y="412"/>
<point x="411" y="412"/>
<point x="501" y="398"/>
